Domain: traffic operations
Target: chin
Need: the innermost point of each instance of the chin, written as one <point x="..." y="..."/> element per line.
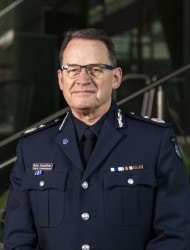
<point x="84" y="105"/>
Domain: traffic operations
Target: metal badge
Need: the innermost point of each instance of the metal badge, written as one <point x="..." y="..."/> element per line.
<point x="30" y="130"/>
<point x="158" y="120"/>
<point x="176" y="147"/>
<point x="63" y="122"/>
<point x="65" y="141"/>
<point x="120" y="118"/>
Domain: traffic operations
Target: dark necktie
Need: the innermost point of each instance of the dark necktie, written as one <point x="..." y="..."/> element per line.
<point x="89" y="140"/>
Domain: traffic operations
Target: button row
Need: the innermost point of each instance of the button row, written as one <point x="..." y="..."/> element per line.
<point x="85" y="183"/>
<point x="85" y="216"/>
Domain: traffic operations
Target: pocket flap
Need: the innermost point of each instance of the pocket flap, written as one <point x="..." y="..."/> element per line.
<point x="129" y="178"/>
<point x="50" y="180"/>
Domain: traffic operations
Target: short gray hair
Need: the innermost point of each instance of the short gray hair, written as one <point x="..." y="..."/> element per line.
<point x="89" y="34"/>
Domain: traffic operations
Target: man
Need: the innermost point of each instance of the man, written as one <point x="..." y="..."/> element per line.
<point x="130" y="193"/>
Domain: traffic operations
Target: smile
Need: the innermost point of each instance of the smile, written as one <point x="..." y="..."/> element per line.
<point x="84" y="92"/>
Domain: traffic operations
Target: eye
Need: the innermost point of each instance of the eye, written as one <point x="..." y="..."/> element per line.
<point x="72" y="69"/>
<point x="96" y="70"/>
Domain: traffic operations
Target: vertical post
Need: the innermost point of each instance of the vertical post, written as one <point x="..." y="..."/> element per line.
<point x="186" y="52"/>
<point x="160" y="103"/>
<point x="186" y="31"/>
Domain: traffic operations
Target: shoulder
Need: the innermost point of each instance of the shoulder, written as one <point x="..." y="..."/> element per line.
<point x="52" y="125"/>
<point x="147" y="130"/>
<point x="155" y="122"/>
<point x="41" y="128"/>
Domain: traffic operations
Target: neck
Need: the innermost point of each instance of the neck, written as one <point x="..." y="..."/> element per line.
<point x="89" y="117"/>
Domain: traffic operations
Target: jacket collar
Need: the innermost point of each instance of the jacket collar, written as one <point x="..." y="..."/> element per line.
<point x="109" y="137"/>
<point x="115" y="115"/>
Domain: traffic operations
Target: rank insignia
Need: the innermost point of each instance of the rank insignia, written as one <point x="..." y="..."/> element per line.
<point x="30" y="130"/>
<point x="120" y="118"/>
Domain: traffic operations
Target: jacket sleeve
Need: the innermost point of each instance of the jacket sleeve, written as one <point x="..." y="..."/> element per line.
<point x="171" y="218"/>
<point x="20" y="232"/>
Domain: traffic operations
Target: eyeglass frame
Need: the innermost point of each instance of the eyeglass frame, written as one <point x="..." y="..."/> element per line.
<point x="105" y="66"/>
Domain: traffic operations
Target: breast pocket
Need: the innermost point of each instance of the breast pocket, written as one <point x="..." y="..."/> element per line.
<point x="47" y="197"/>
<point x="123" y="194"/>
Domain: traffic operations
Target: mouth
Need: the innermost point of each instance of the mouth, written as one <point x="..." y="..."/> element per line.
<point x="83" y="92"/>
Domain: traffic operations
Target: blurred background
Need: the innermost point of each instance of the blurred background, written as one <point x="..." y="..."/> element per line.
<point x="152" y="41"/>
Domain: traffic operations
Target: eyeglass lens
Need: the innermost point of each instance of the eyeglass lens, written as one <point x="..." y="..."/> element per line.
<point x="91" y="69"/>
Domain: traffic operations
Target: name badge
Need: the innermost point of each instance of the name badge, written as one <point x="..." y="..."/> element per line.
<point x="42" y="166"/>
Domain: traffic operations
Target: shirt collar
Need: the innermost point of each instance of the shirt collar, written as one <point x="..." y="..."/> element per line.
<point x="114" y="115"/>
<point x="80" y="126"/>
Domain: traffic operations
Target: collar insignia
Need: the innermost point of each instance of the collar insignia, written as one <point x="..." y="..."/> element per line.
<point x="63" y="122"/>
<point x="120" y="118"/>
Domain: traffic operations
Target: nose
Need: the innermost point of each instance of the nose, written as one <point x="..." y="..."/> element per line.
<point x="83" y="78"/>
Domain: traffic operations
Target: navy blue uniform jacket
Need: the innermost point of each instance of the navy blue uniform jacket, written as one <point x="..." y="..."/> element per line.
<point x="133" y="195"/>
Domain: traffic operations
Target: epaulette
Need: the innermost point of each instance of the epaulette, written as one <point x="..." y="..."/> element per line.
<point x="34" y="130"/>
<point x="155" y="121"/>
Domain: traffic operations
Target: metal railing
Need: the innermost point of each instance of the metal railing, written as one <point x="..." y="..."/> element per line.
<point x="161" y="81"/>
<point x="146" y="99"/>
<point x="143" y="90"/>
<point x="10" y="7"/>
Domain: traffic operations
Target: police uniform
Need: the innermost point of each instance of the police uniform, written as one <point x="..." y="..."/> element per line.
<point x="132" y="195"/>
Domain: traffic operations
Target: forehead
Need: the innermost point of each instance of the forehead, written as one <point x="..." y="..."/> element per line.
<point x="82" y="51"/>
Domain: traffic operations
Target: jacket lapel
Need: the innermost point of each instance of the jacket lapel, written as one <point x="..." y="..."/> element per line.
<point x="67" y="141"/>
<point x="109" y="137"/>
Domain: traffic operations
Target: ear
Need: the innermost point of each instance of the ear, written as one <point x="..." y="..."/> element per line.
<point x="60" y="78"/>
<point x="117" y="77"/>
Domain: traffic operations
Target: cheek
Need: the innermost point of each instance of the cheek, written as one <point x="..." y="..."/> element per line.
<point x="104" y="91"/>
<point x="66" y="92"/>
<point x="66" y="86"/>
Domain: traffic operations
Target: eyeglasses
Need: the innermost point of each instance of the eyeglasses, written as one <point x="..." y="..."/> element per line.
<point x="93" y="70"/>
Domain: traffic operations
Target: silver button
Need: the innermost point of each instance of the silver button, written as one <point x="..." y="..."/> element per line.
<point x="130" y="181"/>
<point x="85" y="247"/>
<point x="85" y="185"/>
<point x="42" y="183"/>
<point x="85" y="216"/>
